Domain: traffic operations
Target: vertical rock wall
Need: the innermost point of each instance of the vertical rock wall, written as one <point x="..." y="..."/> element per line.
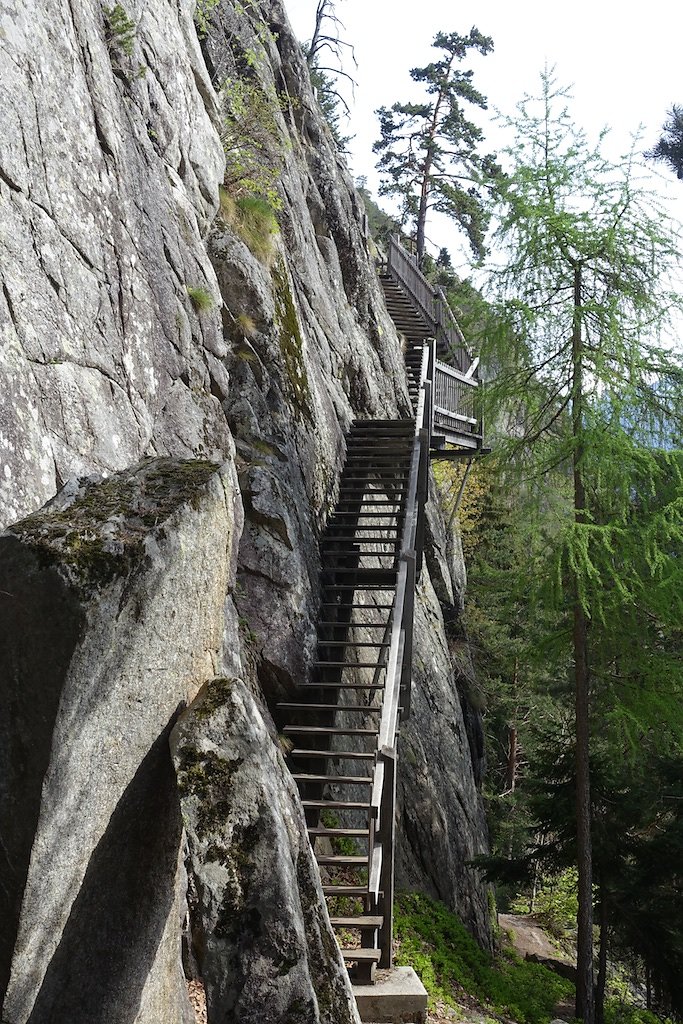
<point x="136" y="321"/>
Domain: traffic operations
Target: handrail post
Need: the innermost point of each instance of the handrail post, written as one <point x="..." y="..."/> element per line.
<point x="387" y="829"/>
<point x="410" y="559"/>
<point x="422" y="494"/>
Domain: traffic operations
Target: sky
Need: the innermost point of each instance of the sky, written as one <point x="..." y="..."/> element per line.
<point x="622" y="63"/>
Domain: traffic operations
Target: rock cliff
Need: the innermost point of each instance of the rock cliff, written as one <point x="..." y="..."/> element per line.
<point x="142" y="318"/>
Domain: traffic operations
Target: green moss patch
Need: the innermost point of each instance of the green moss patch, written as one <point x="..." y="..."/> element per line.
<point x="291" y="344"/>
<point x="209" y="777"/>
<point x="450" y="964"/>
<point x="131" y="504"/>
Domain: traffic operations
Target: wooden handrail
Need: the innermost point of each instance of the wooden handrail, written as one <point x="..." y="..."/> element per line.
<point x="432" y="302"/>
<point x="397" y="679"/>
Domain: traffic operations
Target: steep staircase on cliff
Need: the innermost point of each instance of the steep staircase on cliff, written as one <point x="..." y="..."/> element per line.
<point x="344" y="716"/>
<point x="343" y="722"/>
<point x="422" y="314"/>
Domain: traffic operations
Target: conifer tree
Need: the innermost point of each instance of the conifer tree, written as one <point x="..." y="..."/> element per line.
<point x="429" y="151"/>
<point x="669" y="148"/>
<point x="587" y="295"/>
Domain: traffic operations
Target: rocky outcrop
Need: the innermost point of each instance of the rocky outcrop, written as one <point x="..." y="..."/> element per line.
<point x="138" y="320"/>
<point x="99" y="649"/>
<point x="260" y="931"/>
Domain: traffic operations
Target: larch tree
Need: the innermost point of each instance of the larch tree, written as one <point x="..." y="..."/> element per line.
<point x="586" y="289"/>
<point x="429" y="151"/>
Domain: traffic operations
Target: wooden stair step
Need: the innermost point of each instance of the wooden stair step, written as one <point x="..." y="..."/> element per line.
<point x="368" y="955"/>
<point x="348" y="643"/>
<point x="341" y="780"/>
<point x="393" y="541"/>
<point x="353" y="626"/>
<point x="348" y="607"/>
<point x="326" y="684"/>
<point x="344" y="665"/>
<point x="364" y="921"/>
<point x="334" y="755"/>
<point x="368" y="515"/>
<point x="326" y="730"/>
<point x="336" y="805"/>
<point x="341" y="860"/>
<point x="350" y="833"/>
<point x="292" y="706"/>
<point x="345" y="890"/>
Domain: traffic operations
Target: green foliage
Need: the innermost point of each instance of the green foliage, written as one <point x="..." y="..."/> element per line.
<point x="429" y="150"/>
<point x="436" y="944"/>
<point x="555" y="902"/>
<point x="669" y="148"/>
<point x="251" y="138"/>
<point x="121" y="29"/>
<point x="202" y="15"/>
<point x="201" y="299"/>
<point x="618" y="1011"/>
<point x="254" y="221"/>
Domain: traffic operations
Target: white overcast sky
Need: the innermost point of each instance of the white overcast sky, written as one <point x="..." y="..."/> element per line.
<point x="622" y="61"/>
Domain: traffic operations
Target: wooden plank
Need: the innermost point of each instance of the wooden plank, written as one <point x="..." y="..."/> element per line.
<point x="356" y="922"/>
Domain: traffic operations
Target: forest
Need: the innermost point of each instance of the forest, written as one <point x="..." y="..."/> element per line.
<point x="573" y="525"/>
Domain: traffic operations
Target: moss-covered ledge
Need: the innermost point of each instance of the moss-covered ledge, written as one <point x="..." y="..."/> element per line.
<point x="95" y="528"/>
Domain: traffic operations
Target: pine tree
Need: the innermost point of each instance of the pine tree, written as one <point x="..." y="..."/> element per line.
<point x="595" y="395"/>
<point x="429" y="151"/>
<point x="669" y="149"/>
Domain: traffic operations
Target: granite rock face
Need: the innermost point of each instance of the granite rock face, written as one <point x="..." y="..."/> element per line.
<point x="100" y="648"/>
<point x="137" y="320"/>
<point x="261" y="934"/>
<point x="443" y="825"/>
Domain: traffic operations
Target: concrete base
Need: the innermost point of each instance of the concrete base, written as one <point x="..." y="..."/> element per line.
<point x="397" y="997"/>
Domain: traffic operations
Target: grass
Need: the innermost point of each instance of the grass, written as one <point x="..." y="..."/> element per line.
<point x="436" y="944"/>
<point x="201" y="299"/>
<point x="247" y="324"/>
<point x="254" y="220"/>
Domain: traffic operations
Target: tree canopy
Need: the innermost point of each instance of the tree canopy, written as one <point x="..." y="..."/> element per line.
<point x="592" y="389"/>
<point x="669" y="148"/>
<point x="429" y="151"/>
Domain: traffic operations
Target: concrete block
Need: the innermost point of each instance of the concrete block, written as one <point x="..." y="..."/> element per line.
<point x="397" y="997"/>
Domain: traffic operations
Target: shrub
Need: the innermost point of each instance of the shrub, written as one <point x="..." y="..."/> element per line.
<point x="120" y="29"/>
<point x="251" y="140"/>
<point x="202" y="15"/>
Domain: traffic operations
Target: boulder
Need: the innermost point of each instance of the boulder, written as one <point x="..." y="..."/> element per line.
<point x="111" y="617"/>
<point x="260" y="929"/>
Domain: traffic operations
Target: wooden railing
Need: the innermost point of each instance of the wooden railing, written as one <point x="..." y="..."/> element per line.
<point x="396" y="704"/>
<point x="456" y="407"/>
<point x="432" y="303"/>
<point x="455" y="402"/>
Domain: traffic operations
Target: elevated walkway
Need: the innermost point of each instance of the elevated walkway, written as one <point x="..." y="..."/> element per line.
<point x="343" y="721"/>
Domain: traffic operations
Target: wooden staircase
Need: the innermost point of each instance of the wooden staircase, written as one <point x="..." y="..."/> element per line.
<point x="335" y="720"/>
<point x="421" y="314"/>
<point x="343" y="722"/>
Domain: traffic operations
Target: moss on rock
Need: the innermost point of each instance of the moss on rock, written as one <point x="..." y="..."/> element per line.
<point x="100" y="533"/>
<point x="291" y="343"/>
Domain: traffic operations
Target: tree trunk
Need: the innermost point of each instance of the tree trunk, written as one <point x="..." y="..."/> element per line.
<point x="422" y="209"/>
<point x="511" y="773"/>
<point x="585" y="1009"/>
<point x="602" y="960"/>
